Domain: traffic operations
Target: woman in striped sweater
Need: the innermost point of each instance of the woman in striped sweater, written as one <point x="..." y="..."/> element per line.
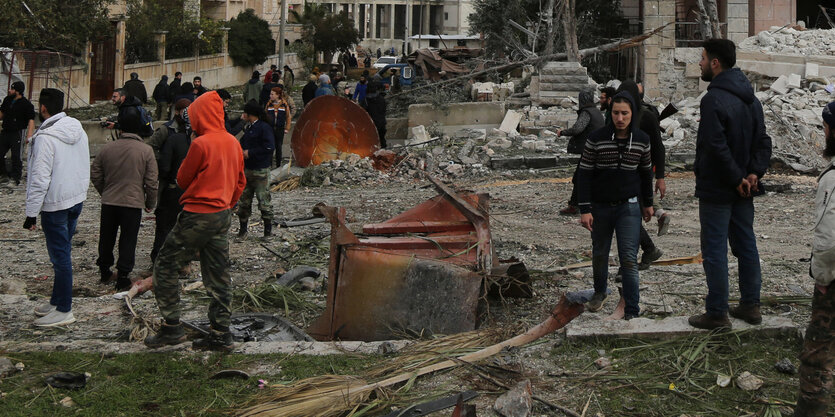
<point x="614" y="191"/>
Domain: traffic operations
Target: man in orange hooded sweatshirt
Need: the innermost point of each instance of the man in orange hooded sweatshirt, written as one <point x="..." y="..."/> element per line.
<point x="212" y="177"/>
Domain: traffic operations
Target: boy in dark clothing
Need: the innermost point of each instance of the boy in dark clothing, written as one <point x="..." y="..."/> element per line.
<point x="258" y="144"/>
<point x="614" y="190"/>
<point x="174" y="87"/>
<point x="376" y="107"/>
<point x="18" y="116"/>
<point x="309" y="89"/>
<point x="733" y="152"/>
<point x="161" y="95"/>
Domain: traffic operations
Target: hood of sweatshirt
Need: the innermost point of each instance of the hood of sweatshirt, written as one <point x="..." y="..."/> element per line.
<point x="586" y="99"/>
<point x="164" y="79"/>
<point x="735" y="82"/>
<point x="206" y="113"/>
<point x="63" y="128"/>
<point x="631" y="100"/>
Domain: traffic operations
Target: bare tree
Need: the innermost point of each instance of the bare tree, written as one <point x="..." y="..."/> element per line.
<point x="709" y="19"/>
<point x="569" y="26"/>
<point x="549" y="27"/>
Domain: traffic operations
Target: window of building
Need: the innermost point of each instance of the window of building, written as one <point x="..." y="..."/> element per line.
<point x="446" y="15"/>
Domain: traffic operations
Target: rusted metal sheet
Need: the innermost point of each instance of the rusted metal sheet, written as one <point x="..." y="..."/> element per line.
<point x="330" y="126"/>
<point x="421" y="271"/>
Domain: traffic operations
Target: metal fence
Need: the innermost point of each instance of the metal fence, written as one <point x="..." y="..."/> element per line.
<point x="38" y="70"/>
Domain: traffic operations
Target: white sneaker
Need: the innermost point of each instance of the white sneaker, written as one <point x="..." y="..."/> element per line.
<point x="55" y="318"/>
<point x="44" y="309"/>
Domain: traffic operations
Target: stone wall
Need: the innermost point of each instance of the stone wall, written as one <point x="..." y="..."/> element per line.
<point x="657" y="49"/>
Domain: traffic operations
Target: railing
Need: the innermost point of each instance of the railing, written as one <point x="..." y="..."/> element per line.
<point x="689" y="34"/>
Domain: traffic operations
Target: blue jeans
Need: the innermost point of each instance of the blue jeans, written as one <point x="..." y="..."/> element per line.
<point x="58" y="228"/>
<point x="722" y="223"/>
<point x="624" y="220"/>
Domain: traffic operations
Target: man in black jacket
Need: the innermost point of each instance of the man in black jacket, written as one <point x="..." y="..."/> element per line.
<point x="309" y="90"/>
<point x="588" y="120"/>
<point x="18" y="115"/>
<point x="162" y="96"/>
<point x="136" y="88"/>
<point x="732" y="154"/>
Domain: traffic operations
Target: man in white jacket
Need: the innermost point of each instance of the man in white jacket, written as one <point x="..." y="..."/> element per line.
<point x="56" y="186"/>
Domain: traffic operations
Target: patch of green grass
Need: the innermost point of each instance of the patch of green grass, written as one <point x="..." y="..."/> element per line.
<point x="679" y="376"/>
<point x="154" y="384"/>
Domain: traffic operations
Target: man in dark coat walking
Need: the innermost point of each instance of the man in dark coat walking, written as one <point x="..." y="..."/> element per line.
<point x="162" y="96"/>
<point x="135" y="87"/>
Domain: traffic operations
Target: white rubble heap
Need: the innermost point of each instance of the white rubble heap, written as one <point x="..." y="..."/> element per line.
<point x="791" y="41"/>
<point x="793" y="120"/>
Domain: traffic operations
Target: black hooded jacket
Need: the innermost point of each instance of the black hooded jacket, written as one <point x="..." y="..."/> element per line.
<point x="732" y="142"/>
<point x="161" y="93"/>
<point x="589" y="119"/>
<point x="613" y="170"/>
<point x="647" y="120"/>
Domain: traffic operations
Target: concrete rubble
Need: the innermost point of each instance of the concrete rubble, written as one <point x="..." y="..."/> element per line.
<point x="791" y="41"/>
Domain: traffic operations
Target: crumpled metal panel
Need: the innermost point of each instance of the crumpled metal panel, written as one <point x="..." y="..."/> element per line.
<point x="330" y="126"/>
<point x="422" y="271"/>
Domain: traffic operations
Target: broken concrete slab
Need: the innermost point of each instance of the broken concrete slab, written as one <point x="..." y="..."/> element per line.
<point x="793" y="81"/>
<point x="780" y="85"/>
<point x="812" y="70"/>
<point x="666" y="328"/>
<point x="538" y="162"/>
<point x="507" y="163"/>
<point x="511" y="121"/>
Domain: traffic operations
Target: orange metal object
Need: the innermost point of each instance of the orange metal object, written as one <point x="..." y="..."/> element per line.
<point x="329" y="126"/>
<point x="422" y="271"/>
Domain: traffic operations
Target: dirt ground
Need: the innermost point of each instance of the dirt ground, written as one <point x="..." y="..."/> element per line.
<point x="525" y="224"/>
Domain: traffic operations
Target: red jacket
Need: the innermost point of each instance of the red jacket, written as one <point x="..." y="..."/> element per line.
<point x="212" y="174"/>
<point x="268" y="77"/>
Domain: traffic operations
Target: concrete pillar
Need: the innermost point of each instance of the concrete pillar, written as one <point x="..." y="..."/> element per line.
<point x="391" y="9"/>
<point x="373" y="34"/>
<point x="159" y="38"/>
<point x="225" y="47"/>
<point x="356" y="15"/>
<point x="737" y="20"/>
<point x="657" y="48"/>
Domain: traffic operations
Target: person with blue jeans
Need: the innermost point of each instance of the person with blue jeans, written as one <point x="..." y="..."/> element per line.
<point x="733" y="152"/>
<point x="614" y="191"/>
<point x="58" y="176"/>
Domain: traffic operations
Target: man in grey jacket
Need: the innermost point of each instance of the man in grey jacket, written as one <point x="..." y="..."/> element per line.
<point x="125" y="174"/>
<point x="56" y="186"/>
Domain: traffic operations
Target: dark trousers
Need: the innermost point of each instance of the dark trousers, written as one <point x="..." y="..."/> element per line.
<point x="58" y="229"/>
<point x="166" y="217"/>
<point x="125" y="221"/>
<point x="722" y="223"/>
<point x="818" y="357"/>
<point x="10" y="141"/>
<point x="279" y="143"/>
<point x="381" y="132"/>
<point x="572" y="201"/>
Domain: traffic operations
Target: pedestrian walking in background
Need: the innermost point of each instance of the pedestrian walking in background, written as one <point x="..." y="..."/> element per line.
<point x="278" y="116"/>
<point x="18" y="116"/>
<point x="136" y="88"/>
<point x="588" y="120"/>
<point x="309" y="90"/>
<point x="162" y="96"/>
<point x="252" y="88"/>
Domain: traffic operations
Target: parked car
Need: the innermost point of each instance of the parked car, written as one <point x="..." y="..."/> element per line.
<point x="385" y="60"/>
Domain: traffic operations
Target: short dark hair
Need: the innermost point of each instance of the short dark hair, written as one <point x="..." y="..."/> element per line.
<point x="177" y="74"/>
<point x="275" y="77"/>
<point x="224" y="95"/>
<point x="130" y="119"/>
<point x="722" y="50"/>
<point x="197" y="78"/>
<point x="52" y="99"/>
<point x="122" y="92"/>
<point x="609" y="91"/>
<point x="273" y="66"/>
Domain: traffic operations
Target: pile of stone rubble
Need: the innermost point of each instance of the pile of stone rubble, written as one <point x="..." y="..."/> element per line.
<point x="790" y="41"/>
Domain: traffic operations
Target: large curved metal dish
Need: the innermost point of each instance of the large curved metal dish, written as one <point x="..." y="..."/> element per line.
<point x="330" y="126"/>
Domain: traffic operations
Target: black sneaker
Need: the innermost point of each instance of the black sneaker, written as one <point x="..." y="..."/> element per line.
<point x="167" y="335"/>
<point x="630" y="316"/>
<point x="596" y="302"/>
<point x="218" y="341"/>
<point x="123" y="283"/>
<point x="649" y="257"/>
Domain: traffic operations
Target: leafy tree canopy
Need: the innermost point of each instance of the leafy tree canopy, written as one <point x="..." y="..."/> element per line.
<point x="326" y="32"/>
<point x="63" y="26"/>
<point x="250" y="39"/>
<point x="145" y="17"/>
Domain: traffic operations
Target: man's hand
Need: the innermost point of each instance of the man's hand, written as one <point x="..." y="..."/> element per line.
<point x="647" y="213"/>
<point x="744" y="188"/>
<point x="587" y="220"/>
<point x="754" y="181"/>
<point x="110" y="125"/>
<point x="661" y="187"/>
<point x="30" y="223"/>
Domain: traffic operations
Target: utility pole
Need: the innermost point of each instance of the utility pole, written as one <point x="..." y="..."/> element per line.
<point x="281" y="27"/>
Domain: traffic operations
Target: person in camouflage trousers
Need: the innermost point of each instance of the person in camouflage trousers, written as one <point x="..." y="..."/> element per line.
<point x="212" y="179"/>
<point x="818" y="356"/>
<point x="258" y="144"/>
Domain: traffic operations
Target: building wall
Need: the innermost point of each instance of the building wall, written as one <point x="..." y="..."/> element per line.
<point x="764" y="14"/>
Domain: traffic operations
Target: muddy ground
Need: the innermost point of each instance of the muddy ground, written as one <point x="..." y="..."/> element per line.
<point x="525" y="224"/>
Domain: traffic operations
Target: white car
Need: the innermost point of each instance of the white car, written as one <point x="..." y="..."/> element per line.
<point x="385" y="60"/>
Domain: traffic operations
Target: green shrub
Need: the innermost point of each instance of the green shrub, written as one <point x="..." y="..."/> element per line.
<point x="250" y="39"/>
